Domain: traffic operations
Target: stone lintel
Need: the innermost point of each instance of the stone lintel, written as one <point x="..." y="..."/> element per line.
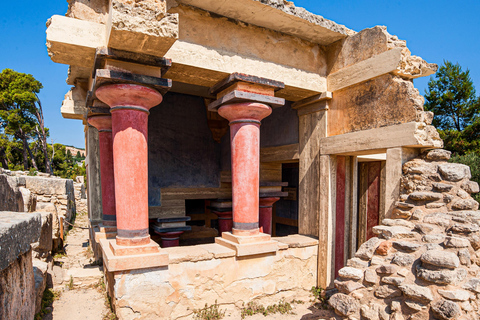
<point x="131" y="262"/>
<point x="249" y="249"/>
<point x="102" y="54"/>
<point x="241" y="96"/>
<point x="17" y="231"/>
<point x="241" y="77"/>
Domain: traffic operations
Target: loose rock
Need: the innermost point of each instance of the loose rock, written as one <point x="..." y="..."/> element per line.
<point x="457" y="295"/>
<point x="350" y="273"/>
<point x="406" y="246"/>
<point x="438" y="155"/>
<point x="387" y="292"/>
<point x="416" y="292"/>
<point x="454" y="171"/>
<point x="367" y="249"/>
<point x="465" y="204"/>
<point x="446" y="310"/>
<point x="343" y="304"/>
<point x="456" y="242"/>
<point x="402" y="259"/>
<point x="439" y="258"/>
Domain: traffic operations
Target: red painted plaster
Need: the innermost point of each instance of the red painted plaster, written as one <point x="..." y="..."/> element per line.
<point x="373" y="200"/>
<point x="340" y="216"/>
<point x="245" y="146"/>
<point x="265" y="213"/>
<point x="104" y="126"/>
<point x="130" y="157"/>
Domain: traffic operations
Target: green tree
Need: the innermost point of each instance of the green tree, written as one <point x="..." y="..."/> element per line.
<point x="452" y="98"/>
<point x="21" y="114"/>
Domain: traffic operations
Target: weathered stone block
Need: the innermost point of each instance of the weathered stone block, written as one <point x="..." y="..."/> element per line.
<point x="441" y="258"/>
<point x="17" y="231"/>
<point x="343" y="305"/>
<point x="454" y="171"/>
<point x="17" y="294"/>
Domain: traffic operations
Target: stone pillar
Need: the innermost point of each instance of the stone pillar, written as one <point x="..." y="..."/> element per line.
<point x="103" y="123"/>
<point x="245" y="120"/>
<point x="130" y="106"/>
<point x="244" y="101"/>
<point x="265" y="214"/>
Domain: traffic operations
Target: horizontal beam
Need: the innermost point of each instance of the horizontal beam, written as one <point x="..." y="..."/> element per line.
<point x="379" y="139"/>
<point x="286" y="153"/>
<point x="373" y="67"/>
<point x="397" y="61"/>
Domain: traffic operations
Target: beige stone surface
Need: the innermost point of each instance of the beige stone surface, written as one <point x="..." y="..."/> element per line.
<point x="73" y="41"/>
<point x="91" y="10"/>
<point x="17" y="297"/>
<point x="281" y="16"/>
<point x="73" y="105"/>
<point x="141" y="27"/>
<point x="383" y="101"/>
<point x="174" y="292"/>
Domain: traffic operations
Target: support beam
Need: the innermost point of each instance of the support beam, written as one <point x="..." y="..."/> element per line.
<point x="312" y="128"/>
<point x="284" y="154"/>
<point x="395" y="61"/>
<point x="325" y="222"/>
<point x="376" y="140"/>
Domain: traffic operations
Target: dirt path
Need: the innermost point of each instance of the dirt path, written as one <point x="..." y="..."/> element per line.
<point x="78" y="280"/>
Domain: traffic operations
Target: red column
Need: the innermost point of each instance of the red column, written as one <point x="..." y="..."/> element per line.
<point x="129" y="107"/>
<point x="265" y="216"/>
<point x="104" y="126"/>
<point x="245" y="123"/>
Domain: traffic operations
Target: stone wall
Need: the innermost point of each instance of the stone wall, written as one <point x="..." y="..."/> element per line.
<point x="54" y="197"/>
<point x="424" y="264"/>
<point x="207" y="273"/>
<point x="17" y="283"/>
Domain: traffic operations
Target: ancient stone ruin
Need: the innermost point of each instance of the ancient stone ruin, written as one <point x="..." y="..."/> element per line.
<point x="424" y="261"/>
<point x="35" y="212"/>
<point x="256" y="148"/>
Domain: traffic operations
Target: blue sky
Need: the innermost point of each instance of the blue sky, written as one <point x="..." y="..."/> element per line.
<point x="434" y="30"/>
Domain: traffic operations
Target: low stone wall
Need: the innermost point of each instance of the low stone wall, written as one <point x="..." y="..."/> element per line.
<point x="207" y="273"/>
<point x="54" y="196"/>
<point x="424" y="264"/>
<point x="17" y="283"/>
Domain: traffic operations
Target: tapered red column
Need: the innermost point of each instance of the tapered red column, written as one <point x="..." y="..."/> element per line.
<point x="265" y="214"/>
<point x="129" y="107"/>
<point x="245" y="120"/>
<point x="104" y="127"/>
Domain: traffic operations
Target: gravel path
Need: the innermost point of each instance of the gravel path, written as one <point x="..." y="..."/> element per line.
<point x="78" y="279"/>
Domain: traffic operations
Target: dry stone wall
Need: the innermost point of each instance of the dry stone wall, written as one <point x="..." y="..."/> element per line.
<point x="424" y="263"/>
<point x="54" y="197"/>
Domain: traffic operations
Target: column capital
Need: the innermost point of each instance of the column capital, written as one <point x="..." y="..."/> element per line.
<point x="241" y="88"/>
<point x="129" y="96"/>
<point x="101" y="122"/>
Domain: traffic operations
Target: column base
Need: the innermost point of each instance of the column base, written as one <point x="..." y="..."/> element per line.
<point x="120" y="258"/>
<point x="170" y="239"/>
<point x="248" y="245"/>
<point x="106" y="228"/>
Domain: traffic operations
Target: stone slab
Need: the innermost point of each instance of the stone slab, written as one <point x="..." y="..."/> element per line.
<point x="297" y="241"/>
<point x="118" y="250"/>
<point x="249" y="249"/>
<point x="261" y="237"/>
<point x="17" y="232"/>
<point x="131" y="262"/>
<point x="218" y="251"/>
<point x="188" y="254"/>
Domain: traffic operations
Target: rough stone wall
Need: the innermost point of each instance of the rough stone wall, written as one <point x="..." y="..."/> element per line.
<point x="17" y="294"/>
<point x="424" y="263"/>
<point x="17" y="284"/>
<point x="52" y="195"/>
<point x="207" y="273"/>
